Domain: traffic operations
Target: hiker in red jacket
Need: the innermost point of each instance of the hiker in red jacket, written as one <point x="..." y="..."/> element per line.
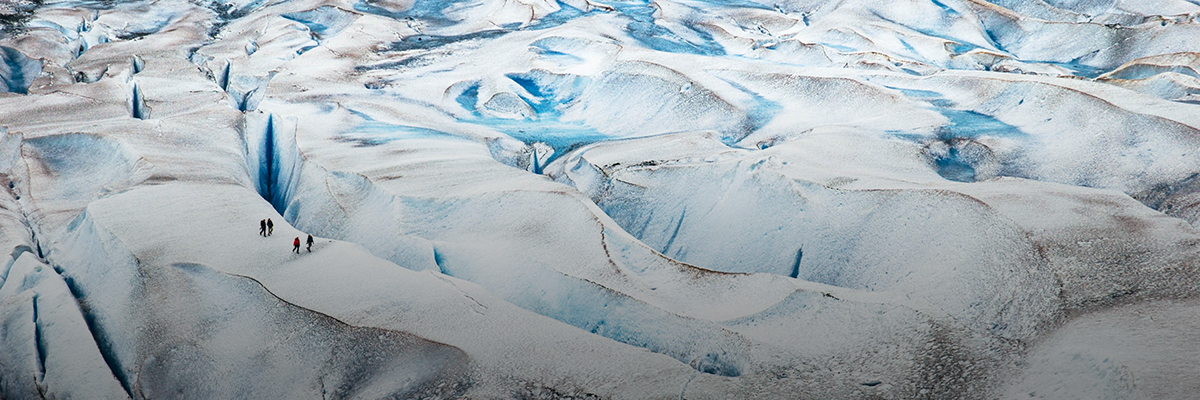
<point x="296" y="245"/>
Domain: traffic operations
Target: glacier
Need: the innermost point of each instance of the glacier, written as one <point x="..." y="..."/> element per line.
<point x="617" y="199"/>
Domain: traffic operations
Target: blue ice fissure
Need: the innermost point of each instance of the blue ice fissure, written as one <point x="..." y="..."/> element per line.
<point x="425" y="42"/>
<point x="964" y="124"/>
<point x="104" y="344"/>
<point x="38" y="336"/>
<point x="1078" y="68"/>
<point x="969" y="124"/>
<point x="551" y="91"/>
<point x="917" y="93"/>
<point x="760" y="112"/>
<point x="952" y="167"/>
<point x="546" y="126"/>
<point x="429" y="10"/>
<point x="18" y="71"/>
<point x="528" y="83"/>
<point x="949" y="10"/>
<point x="959" y="46"/>
<point x="138" y="104"/>
<point x="562" y="136"/>
<point x="675" y="233"/>
<point x="558" y="54"/>
<point x="838" y="47"/>
<point x="565" y="13"/>
<point x="740" y="4"/>
<point x="635" y="9"/>
<point x="324" y="21"/>
<point x="469" y="98"/>
<point x="643" y="28"/>
<point x="267" y="169"/>
<point x="372" y="133"/>
<point x="796" y="265"/>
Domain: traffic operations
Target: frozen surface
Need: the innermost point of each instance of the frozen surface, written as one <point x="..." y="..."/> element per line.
<point x="1125" y="352"/>
<point x="599" y="199"/>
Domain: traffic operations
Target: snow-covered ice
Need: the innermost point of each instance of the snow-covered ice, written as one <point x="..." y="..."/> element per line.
<point x="619" y="199"/>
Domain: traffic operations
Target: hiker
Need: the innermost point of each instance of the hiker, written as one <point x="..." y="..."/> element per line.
<point x="310" y="242"/>
<point x="262" y="227"/>
<point x="270" y="227"/>
<point x="296" y="245"/>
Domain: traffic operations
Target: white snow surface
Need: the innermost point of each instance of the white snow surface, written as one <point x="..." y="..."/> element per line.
<point x="621" y="199"/>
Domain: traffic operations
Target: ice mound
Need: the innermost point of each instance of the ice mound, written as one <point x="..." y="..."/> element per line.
<point x="745" y="212"/>
<point x="1169" y="76"/>
<point x="51" y="349"/>
<point x="1098" y="355"/>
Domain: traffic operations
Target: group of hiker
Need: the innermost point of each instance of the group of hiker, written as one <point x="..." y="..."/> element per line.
<point x="266" y="228"/>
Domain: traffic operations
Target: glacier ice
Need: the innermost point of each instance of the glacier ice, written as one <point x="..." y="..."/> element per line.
<point x="599" y="199"/>
<point x="18" y="71"/>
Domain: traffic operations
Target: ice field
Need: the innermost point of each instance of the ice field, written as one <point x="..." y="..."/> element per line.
<point x="612" y="199"/>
